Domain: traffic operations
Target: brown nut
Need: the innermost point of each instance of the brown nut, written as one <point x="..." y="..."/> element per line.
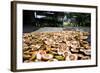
<point x="26" y="56"/>
<point x="73" y="57"/>
<point x="86" y="58"/>
<point x="33" y="57"/>
<point x="47" y="56"/>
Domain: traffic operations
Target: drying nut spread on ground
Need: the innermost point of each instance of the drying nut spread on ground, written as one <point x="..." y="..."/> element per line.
<point x="56" y="46"/>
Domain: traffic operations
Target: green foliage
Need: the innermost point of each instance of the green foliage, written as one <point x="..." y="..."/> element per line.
<point x="76" y="20"/>
<point x="82" y="19"/>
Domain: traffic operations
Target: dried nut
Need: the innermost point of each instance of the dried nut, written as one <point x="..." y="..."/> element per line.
<point x="80" y="55"/>
<point x="25" y="48"/>
<point x="48" y="42"/>
<point x="26" y="35"/>
<point x="26" y="61"/>
<point x="73" y="57"/>
<point x="54" y="49"/>
<point x="26" y="52"/>
<point x="87" y="52"/>
<point x="37" y="46"/>
<point x="52" y="60"/>
<point x="33" y="57"/>
<point x="65" y="54"/>
<point x="85" y="33"/>
<point x="75" y="44"/>
<point x="83" y="37"/>
<point x="68" y="43"/>
<point x="60" y="58"/>
<point x="27" y="41"/>
<point x="82" y="50"/>
<point x="30" y="52"/>
<point x="56" y="46"/>
<point x="38" y="56"/>
<point x="48" y="49"/>
<point x="26" y="56"/>
<point x="85" y="42"/>
<point x="53" y="52"/>
<point x="60" y="52"/>
<point x="87" y="46"/>
<point x="25" y="45"/>
<point x="86" y="57"/>
<point x="33" y="48"/>
<point x="40" y="53"/>
<point x="47" y="56"/>
<point x="74" y="50"/>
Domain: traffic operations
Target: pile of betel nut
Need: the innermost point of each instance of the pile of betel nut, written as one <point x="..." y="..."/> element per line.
<point x="56" y="46"/>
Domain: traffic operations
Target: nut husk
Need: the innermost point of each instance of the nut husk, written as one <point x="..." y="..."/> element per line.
<point x="60" y="58"/>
